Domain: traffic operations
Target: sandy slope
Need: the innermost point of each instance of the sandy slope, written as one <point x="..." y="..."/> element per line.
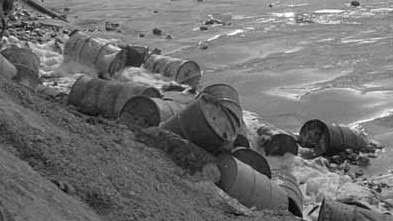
<point x="27" y="196"/>
<point x="114" y="171"/>
<point x="115" y="175"/>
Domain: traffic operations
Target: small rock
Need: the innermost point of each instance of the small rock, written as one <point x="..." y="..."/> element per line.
<point x="348" y="151"/>
<point x="62" y="16"/>
<point x="337" y="159"/>
<point x="65" y="187"/>
<point x="353" y="156"/>
<point x="141" y="35"/>
<point x="203" y="28"/>
<point x="12" y="18"/>
<point x="203" y="45"/>
<point x="169" y="37"/>
<point x="212" y="22"/>
<point x="66" y="31"/>
<point x="109" y="26"/>
<point x="157" y="31"/>
<point x="66" y="9"/>
<point x="199" y="0"/>
<point x="155" y="11"/>
<point x="91" y="29"/>
<point x="33" y="18"/>
<point x="304" y="18"/>
<point x="355" y="4"/>
<point x="156" y="51"/>
<point x="29" y="28"/>
<point x="359" y="173"/>
<point x="342" y="155"/>
<point x="377" y="188"/>
<point x="376" y="144"/>
<point x="370" y="148"/>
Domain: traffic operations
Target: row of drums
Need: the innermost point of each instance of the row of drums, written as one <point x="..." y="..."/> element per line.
<point x="22" y="65"/>
<point x="211" y="119"/>
<point x="108" y="59"/>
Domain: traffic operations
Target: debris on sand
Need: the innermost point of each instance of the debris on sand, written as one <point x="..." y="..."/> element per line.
<point x="111" y="26"/>
<point x="164" y="161"/>
<point x="304" y="18"/>
<point x="203" y="45"/>
<point x="218" y="19"/>
<point x="203" y="28"/>
<point x="355" y="4"/>
<point x="157" y="31"/>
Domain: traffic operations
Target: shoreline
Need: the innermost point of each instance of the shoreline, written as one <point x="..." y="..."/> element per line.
<point x="104" y="121"/>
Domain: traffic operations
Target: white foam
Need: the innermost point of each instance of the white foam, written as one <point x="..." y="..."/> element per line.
<point x="240" y="17"/>
<point x="265" y="20"/>
<point x="329" y="11"/>
<point x="382" y="10"/>
<point x="291" y="94"/>
<point x="328" y="22"/>
<point x="326" y="40"/>
<point x="351" y="41"/>
<point x="235" y="32"/>
<point x="215" y="37"/>
<point x="315" y="180"/>
<point x="297" y="5"/>
<point x="293" y="50"/>
<point x="368" y="41"/>
<point x="232" y="33"/>
<point x="383" y="114"/>
<point x="361" y="41"/>
<point x="284" y="15"/>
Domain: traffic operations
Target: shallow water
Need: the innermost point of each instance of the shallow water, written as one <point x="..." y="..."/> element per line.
<point x="338" y="68"/>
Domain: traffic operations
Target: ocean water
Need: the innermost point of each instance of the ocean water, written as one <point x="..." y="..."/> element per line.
<point x="291" y="61"/>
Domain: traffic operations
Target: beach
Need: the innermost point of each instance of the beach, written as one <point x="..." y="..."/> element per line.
<point x="290" y="62"/>
<point x="336" y="68"/>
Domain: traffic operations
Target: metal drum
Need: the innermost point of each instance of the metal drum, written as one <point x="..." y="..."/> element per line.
<point x="148" y="112"/>
<point x="106" y="98"/>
